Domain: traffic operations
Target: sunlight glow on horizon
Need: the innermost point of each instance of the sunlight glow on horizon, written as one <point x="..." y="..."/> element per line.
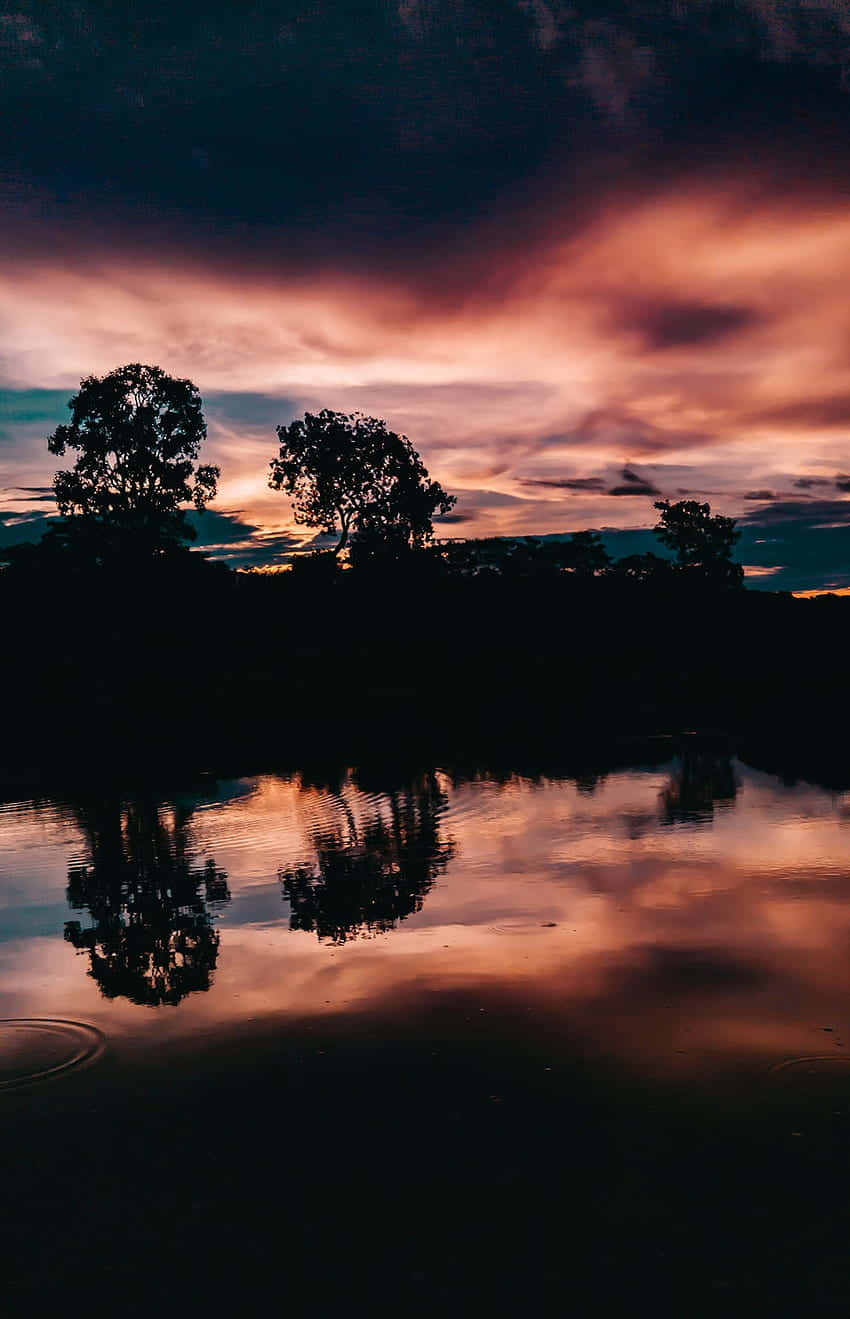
<point x="693" y="337"/>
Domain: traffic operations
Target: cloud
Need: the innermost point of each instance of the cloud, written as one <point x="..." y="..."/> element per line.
<point x="30" y="494"/>
<point x="812" y="513"/>
<point x="809" y="482"/>
<point x="642" y="489"/>
<point x="676" y="324"/>
<point x="820" y="411"/>
<point x="760" y="494"/>
<point x="633" y="485"/>
<point x="661" y="285"/>
<point x="227" y="536"/>
<point x="576" y="483"/>
<point x="22" y="528"/>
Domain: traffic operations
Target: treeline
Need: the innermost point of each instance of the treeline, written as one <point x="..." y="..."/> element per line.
<point x="122" y="648"/>
<point x="137" y="435"/>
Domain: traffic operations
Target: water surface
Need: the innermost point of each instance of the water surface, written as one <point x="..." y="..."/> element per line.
<point x="418" y="990"/>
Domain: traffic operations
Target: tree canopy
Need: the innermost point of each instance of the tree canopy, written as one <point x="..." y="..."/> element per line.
<point x="701" y="542"/>
<point x="137" y="433"/>
<point x="350" y="475"/>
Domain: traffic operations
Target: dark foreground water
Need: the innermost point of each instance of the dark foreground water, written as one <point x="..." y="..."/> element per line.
<point x="428" y="1042"/>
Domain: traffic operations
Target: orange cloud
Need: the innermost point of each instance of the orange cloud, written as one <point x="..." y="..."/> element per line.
<point x="703" y="329"/>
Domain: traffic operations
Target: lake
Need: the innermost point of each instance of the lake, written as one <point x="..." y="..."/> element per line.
<point x="429" y="1038"/>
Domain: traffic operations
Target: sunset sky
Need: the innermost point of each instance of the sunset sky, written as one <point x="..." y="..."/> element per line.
<point x="585" y="256"/>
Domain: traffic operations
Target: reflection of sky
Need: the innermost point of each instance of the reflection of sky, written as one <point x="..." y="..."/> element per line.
<point x="675" y="944"/>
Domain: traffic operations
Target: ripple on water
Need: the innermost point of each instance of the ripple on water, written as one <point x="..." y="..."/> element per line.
<point x="36" y="1049"/>
<point x="813" y="1076"/>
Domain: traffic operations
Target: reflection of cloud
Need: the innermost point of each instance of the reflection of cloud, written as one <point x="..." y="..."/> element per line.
<point x="551" y="896"/>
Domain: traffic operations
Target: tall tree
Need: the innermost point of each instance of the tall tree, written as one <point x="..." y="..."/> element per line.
<point x="137" y="433"/>
<point x="702" y="542"/>
<point x="352" y="476"/>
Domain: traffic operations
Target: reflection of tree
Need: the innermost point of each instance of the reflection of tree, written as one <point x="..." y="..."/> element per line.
<point x="152" y="938"/>
<point x="368" y="876"/>
<point x="698" y="782"/>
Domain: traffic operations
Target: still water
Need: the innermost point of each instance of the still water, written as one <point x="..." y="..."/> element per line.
<point x="409" y="1021"/>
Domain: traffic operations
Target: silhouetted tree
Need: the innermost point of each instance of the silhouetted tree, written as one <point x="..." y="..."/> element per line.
<point x="316" y="569"/>
<point x="585" y="555"/>
<point x="647" y="567"/>
<point x="137" y="433"/>
<point x="369" y="877"/>
<point x="350" y="475"/>
<point x="702" y="543"/>
<point x="582" y="555"/>
<point x="152" y="938"/>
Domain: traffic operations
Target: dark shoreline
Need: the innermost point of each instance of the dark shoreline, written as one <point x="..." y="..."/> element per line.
<point x="205" y="671"/>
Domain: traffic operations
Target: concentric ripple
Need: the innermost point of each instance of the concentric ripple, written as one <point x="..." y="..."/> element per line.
<point x="37" y="1049"/>
<point x="814" y="1076"/>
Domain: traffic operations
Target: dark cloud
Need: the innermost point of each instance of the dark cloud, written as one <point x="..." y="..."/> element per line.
<point x="269" y="133"/>
<point x="585" y="483"/>
<point x="674" y="324"/>
<point x="831" y="411"/>
<point x="809" y="482"/>
<point x="619" y="426"/>
<point x="842" y="482"/>
<point x="22" y="528"/>
<point x="9" y="518"/>
<point x="633" y="485"/>
<point x="488" y="499"/>
<point x="224" y="536"/>
<point x="760" y="494"/>
<point x="642" y="489"/>
<point x="808" y="542"/>
<point x="812" y="513"/>
<point x="240" y="544"/>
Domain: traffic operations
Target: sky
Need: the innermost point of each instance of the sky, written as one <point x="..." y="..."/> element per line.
<point x="584" y="255"/>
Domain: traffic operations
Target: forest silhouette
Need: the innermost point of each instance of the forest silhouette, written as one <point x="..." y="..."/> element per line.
<point x="126" y="646"/>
